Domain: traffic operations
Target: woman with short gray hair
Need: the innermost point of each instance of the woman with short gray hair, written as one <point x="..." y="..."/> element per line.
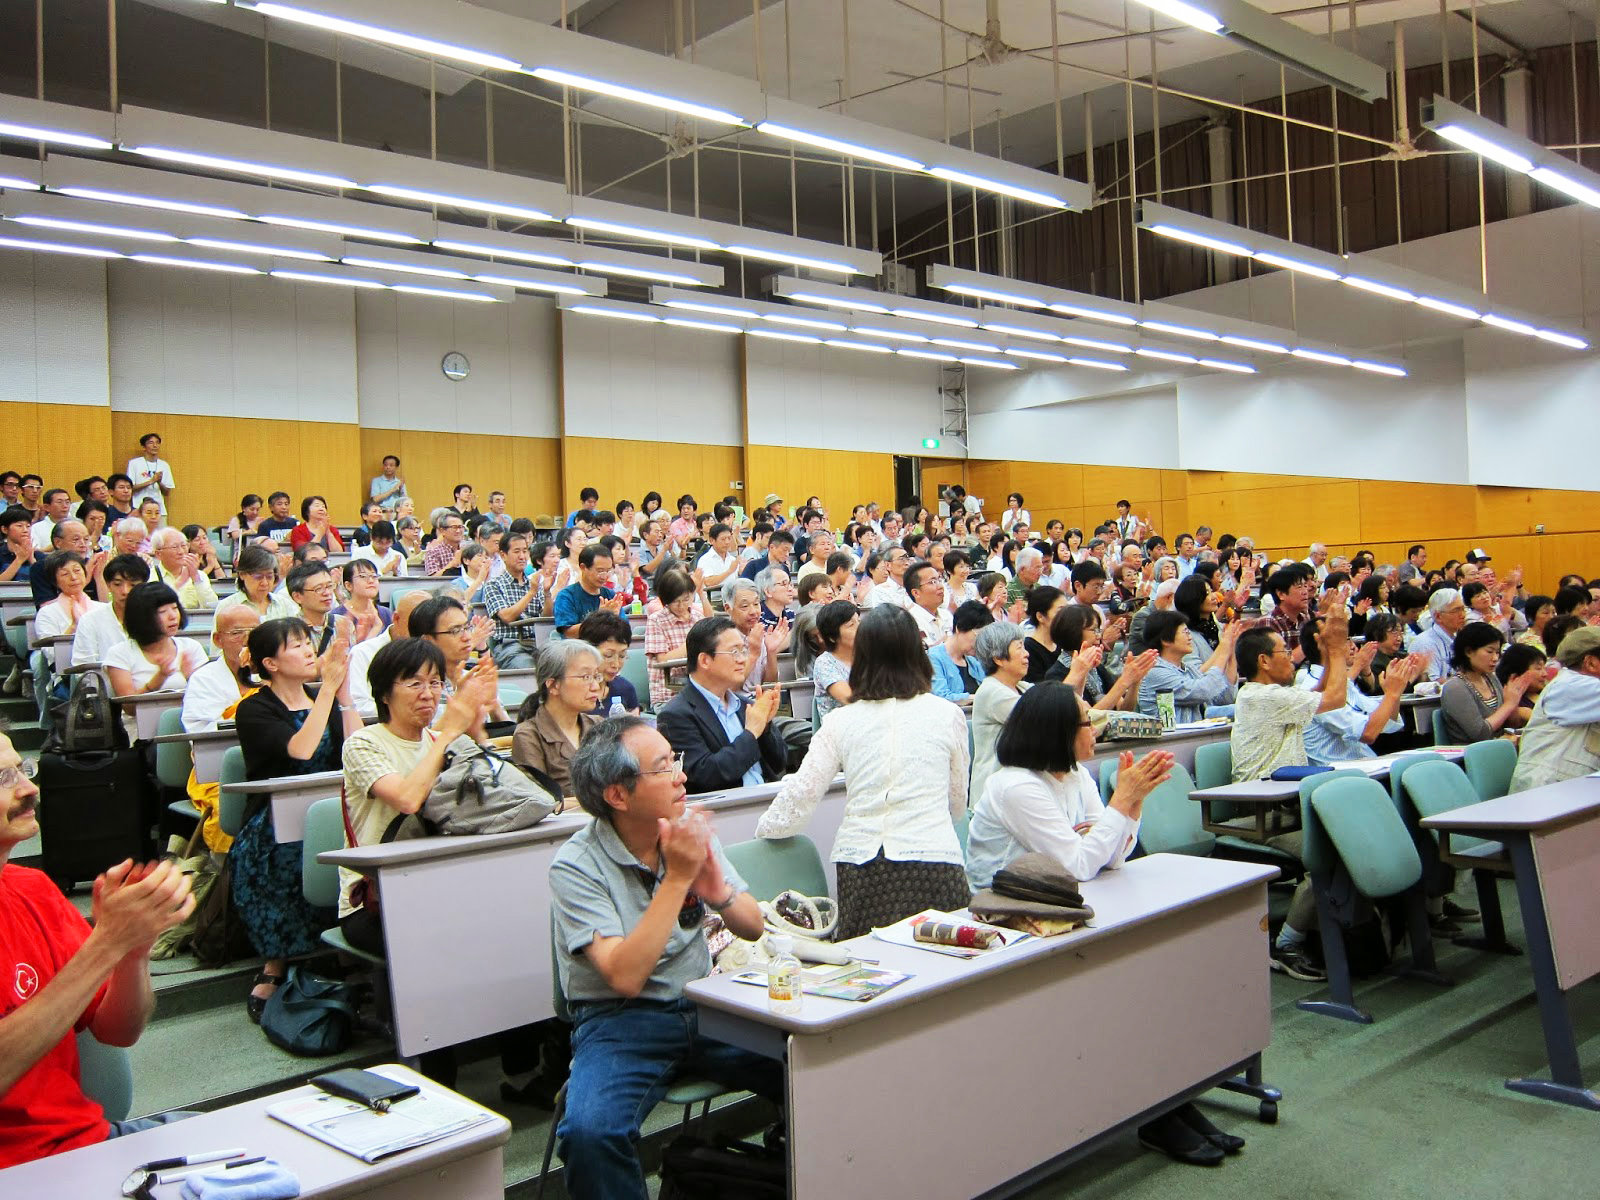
<point x="554" y="719"/>
<point x="1001" y="652"/>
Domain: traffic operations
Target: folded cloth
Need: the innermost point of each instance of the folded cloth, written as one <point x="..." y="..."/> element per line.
<point x="1038" y="877"/>
<point x="1030" y="916"/>
<point x="267" y="1180"/>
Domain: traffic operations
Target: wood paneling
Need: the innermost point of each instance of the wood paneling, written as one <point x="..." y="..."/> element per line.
<point x="432" y="464"/>
<point x="61" y="443"/>
<point x="629" y="469"/>
<point x="842" y="478"/>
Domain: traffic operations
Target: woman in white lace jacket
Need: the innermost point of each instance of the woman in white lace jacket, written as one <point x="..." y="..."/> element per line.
<point x="903" y="751"/>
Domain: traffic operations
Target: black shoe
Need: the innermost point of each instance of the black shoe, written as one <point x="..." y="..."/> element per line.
<point x="1443" y="926"/>
<point x="1196" y="1120"/>
<point x="1460" y="912"/>
<point x="539" y="1091"/>
<point x="1296" y="964"/>
<point x="1176" y="1140"/>
<point x="256" y="1005"/>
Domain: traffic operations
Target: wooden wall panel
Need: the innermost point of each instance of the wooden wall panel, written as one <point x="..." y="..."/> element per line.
<point x="1508" y="511"/>
<point x="841" y="478"/>
<point x="61" y="443"/>
<point x="1418" y="511"/>
<point x="1281" y="517"/>
<point x="624" y="468"/>
<point x="433" y="463"/>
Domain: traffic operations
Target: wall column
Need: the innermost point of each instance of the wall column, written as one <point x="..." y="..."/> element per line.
<point x="1518" y="88"/>
<point x="1219" y="150"/>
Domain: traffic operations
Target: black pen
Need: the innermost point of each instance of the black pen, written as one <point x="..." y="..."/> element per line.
<point x="242" y="1162"/>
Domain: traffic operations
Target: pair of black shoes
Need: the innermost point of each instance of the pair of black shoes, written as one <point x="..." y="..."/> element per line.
<point x="1186" y="1135"/>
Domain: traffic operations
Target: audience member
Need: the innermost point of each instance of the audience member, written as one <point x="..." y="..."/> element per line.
<point x="554" y="719"/>
<point x="102" y="628"/>
<point x="177" y="567"/>
<point x="957" y="673"/>
<point x="153" y="658"/>
<point x="367" y="617"/>
<point x="727" y="740"/>
<point x="1474" y="704"/>
<point x="588" y="593"/>
<point x="837" y="625"/>
<point x="1350" y="732"/>
<point x="150" y="474"/>
<point x="1000" y="651"/>
<point x="1562" y="738"/>
<point x="612" y="636"/>
<point x="1198" y="686"/>
<point x="1436" y="643"/>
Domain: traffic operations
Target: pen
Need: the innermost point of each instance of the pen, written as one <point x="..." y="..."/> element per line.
<point x="191" y="1160"/>
<point x="241" y="1162"/>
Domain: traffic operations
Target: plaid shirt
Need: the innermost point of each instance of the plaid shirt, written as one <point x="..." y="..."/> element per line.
<point x="664" y="633"/>
<point x="1287" y="625"/>
<point x="501" y="592"/>
<point x="439" y="552"/>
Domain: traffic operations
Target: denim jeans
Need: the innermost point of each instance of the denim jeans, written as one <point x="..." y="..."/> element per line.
<point x="625" y="1053"/>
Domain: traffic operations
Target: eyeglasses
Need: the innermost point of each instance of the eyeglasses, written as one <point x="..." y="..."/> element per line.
<point x="585" y="676"/>
<point x="742" y="652"/>
<point x="453" y="631"/>
<point x="417" y="686"/>
<point x="13" y="777"/>
<point x="674" y="768"/>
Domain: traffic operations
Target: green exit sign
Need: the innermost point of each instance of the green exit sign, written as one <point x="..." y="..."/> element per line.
<point x="930" y="443"/>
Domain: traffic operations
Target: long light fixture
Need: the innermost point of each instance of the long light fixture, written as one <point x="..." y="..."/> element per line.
<point x="554" y="252"/>
<point x="27" y="120"/>
<point x="1467" y="129"/>
<point x="462" y="33"/>
<point x="1033" y="322"/>
<point x="444" y="266"/>
<point x="1280" y="41"/>
<point x="1367" y="274"/>
<point x="19" y="174"/>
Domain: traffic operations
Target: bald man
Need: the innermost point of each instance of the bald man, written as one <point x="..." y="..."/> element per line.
<point x="212" y="694"/>
<point x="361" y="657"/>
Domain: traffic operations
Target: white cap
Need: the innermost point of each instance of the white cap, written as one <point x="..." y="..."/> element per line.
<point x="782" y="943"/>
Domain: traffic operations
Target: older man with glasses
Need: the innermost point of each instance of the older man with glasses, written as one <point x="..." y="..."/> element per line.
<point x="1437" y="642"/>
<point x="61" y="975"/>
<point x="444" y="555"/>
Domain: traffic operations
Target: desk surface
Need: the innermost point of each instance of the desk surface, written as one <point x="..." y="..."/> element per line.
<point x="141" y="698"/>
<point x="323" y="1172"/>
<point x="1141" y="891"/>
<point x="1535" y="809"/>
<point x="1276" y="791"/>
<point x="315" y="781"/>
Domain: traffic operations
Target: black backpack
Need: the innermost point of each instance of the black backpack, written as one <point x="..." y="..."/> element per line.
<point x="86" y="722"/>
<point x="694" y="1169"/>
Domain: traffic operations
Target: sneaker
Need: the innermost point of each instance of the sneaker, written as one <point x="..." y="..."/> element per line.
<point x="1293" y="962"/>
<point x="1443" y="926"/>
<point x="1460" y="912"/>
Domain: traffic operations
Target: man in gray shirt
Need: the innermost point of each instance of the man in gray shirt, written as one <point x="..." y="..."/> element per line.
<point x="630" y="892"/>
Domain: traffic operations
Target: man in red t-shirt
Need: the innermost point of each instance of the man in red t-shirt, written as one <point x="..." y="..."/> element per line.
<point x="59" y="977"/>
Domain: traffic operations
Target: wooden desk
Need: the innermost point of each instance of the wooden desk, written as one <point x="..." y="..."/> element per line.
<point x="469" y="1166"/>
<point x="1552" y="835"/>
<point x="453" y="981"/>
<point x="1180" y="934"/>
<point x="291" y="797"/>
<point x="1266" y="795"/>
<point x="16" y="600"/>
<point x="147" y="709"/>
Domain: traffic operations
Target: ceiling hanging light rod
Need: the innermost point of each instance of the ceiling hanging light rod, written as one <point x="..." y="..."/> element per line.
<point x="28" y="120"/>
<point x="1365" y="274"/>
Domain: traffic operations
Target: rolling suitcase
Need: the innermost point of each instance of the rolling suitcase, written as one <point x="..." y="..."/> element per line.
<point x="94" y="811"/>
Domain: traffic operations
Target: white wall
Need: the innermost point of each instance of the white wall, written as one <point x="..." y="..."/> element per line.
<point x="511" y="387"/>
<point x="203" y="344"/>
<point x="835" y="399"/>
<point x="661" y="383"/>
<point x="1480" y="405"/>
<point x="53" y="314"/>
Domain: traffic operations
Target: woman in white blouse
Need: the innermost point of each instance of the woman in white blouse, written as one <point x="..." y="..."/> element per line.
<point x="154" y="658"/>
<point x="1042" y="798"/>
<point x="903" y="751"/>
<point x="59" y="617"/>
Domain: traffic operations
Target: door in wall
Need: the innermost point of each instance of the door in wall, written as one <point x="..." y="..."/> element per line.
<point x="907" y="480"/>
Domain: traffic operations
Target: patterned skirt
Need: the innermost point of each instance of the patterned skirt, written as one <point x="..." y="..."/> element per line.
<point x="267" y="891"/>
<point x="883" y="891"/>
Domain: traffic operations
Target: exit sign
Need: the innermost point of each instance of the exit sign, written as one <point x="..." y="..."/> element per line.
<point x="930" y="443"/>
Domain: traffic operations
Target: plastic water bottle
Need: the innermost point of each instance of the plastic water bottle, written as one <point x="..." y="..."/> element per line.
<point x="783" y="976"/>
<point x="617" y="708"/>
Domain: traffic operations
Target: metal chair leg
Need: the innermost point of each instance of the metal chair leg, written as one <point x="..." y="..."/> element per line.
<point x="1341" y="993"/>
<point x="550" y="1142"/>
<point x="1493" y="939"/>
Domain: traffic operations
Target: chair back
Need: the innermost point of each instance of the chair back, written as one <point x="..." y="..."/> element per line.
<point x="1315" y="851"/>
<point x="231" y="805"/>
<point x="1438" y="787"/>
<point x="1440" y="738"/>
<point x="636" y="670"/>
<point x="319" y="881"/>
<point x="106" y="1075"/>
<point x="1357" y="818"/>
<point x="1213" y="764"/>
<point x="172" y="758"/>
<point x="1489" y="766"/>
<point x="963" y="823"/>
<point x="1397" y="774"/>
<point x="1108" y="776"/>
<point x="773" y="865"/>
<point x="1170" y="823"/>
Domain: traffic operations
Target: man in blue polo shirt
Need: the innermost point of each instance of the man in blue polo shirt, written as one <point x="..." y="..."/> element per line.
<point x="630" y="892"/>
<point x="588" y="593"/>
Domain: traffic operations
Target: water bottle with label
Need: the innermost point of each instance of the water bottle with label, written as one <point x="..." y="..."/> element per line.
<point x="783" y="976"/>
<point x="617" y="709"/>
<point x="1167" y="709"/>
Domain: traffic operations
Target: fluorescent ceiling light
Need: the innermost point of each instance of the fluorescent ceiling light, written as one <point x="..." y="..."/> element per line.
<point x="1018" y="331"/>
<point x="722" y="310"/>
<point x="779" y="336"/>
<point x="390" y="37"/>
<point x="1093" y="314"/>
<point x="236" y="166"/>
<point x="708" y="326"/>
<point x="1097" y="364"/>
<point x="661" y="275"/>
<point x="343" y="230"/>
<point x="59" y="248"/>
<point x="898" y="335"/>
<point x="803" y="322"/>
<point x="1040" y="355"/>
<point x="1295" y="264"/>
<point x="1446" y="307"/>
<point x="1337" y="360"/>
<point x="1000" y="297"/>
<point x="59" y="137"/>
<point x="318" y="277"/>
<point x="1468" y="140"/>
<point x="415" y="289"/>
<point x="865" y="306"/>
<point x="143" y="235"/>
<point x="19" y="183"/>
<point x="600" y="260"/>
<point x="1223" y="365"/>
<point x="1188" y="331"/>
<point x="848" y="149"/>
<point x="999" y="364"/>
<point x="1199" y="239"/>
<point x="846" y="344"/>
<point x="522" y="284"/>
<point x="794" y="260"/>
<point x="1378" y="289"/>
<point x="532" y="256"/>
<point x="1186" y="14"/>
<point x="958" y="344"/>
<point x="249" y="248"/>
<point x="643" y="234"/>
<point x="30" y="120"/>
<point x="1098" y="344"/>
<point x="622" y="92"/>
<point x="1165" y="355"/>
<point x="1378" y="368"/>
<point x="1562" y="182"/>
<point x="928" y="354"/>
<point x="1249" y="343"/>
<point x="200" y="264"/>
<point x="1561" y="339"/>
<point x="357" y="260"/>
<point x="594" y="310"/>
<point x="938" y="318"/>
<point x="1509" y="325"/>
<point x="182" y="206"/>
<point x="978" y="182"/>
<point x="465" y="203"/>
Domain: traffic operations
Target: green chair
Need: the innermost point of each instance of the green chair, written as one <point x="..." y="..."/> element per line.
<point x="636" y="670"/>
<point x="963" y="823"/>
<point x="231" y="805"/>
<point x="772" y="865"/>
<point x="1437" y="787"/>
<point x="106" y="1075"/>
<point x="172" y="767"/>
<point x="1357" y="851"/>
<point x="684" y="1092"/>
<point x="1490" y="765"/>
<point x="319" y="881"/>
<point x="1170" y="823"/>
<point x="1108" y="776"/>
<point x="1213" y="764"/>
<point x="1440" y="738"/>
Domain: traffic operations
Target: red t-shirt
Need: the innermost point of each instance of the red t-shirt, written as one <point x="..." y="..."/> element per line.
<point x="45" y="1112"/>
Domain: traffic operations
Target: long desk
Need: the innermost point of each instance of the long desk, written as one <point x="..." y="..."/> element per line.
<point x="453" y="981"/>
<point x="291" y="797"/>
<point x="388" y="585"/>
<point x="1420" y="709"/>
<point x="1181" y="746"/>
<point x="1552" y="835"/>
<point x="1077" y="1037"/>
<point x="468" y="1166"/>
<point x="147" y="709"/>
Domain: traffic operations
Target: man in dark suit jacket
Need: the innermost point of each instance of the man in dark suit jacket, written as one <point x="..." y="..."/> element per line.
<point x="727" y="741"/>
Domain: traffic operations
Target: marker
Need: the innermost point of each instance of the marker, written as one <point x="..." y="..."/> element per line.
<point x="241" y="1162"/>
<point x="194" y="1160"/>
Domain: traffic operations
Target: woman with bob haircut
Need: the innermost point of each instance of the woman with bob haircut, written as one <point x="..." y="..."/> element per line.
<point x="154" y="658"/>
<point x="903" y="752"/>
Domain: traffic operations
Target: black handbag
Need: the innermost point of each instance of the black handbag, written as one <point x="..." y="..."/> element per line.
<point x="309" y="1015"/>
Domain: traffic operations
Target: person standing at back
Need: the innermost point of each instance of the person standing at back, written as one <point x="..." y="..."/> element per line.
<point x="151" y="474"/>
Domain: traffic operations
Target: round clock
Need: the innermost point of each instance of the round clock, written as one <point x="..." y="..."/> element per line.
<point x="455" y="366"/>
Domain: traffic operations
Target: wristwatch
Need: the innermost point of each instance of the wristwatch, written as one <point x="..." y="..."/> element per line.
<point x="733" y="894"/>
